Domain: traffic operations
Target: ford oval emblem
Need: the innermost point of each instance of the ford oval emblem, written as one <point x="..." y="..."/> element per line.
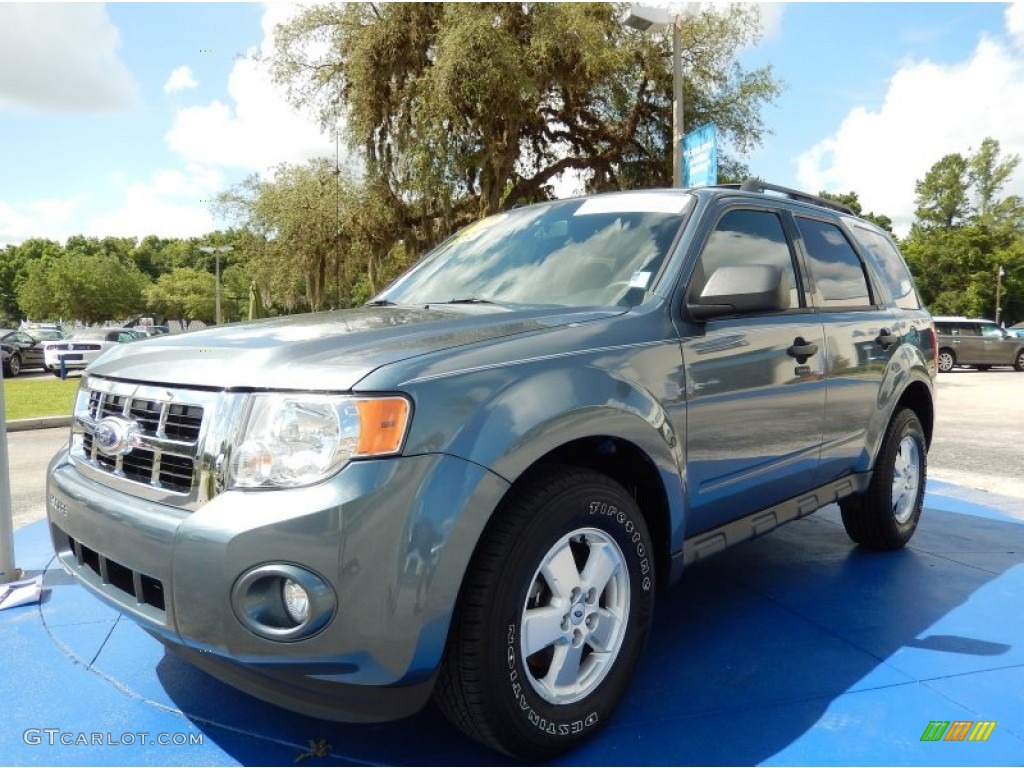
<point x="116" y="436"/>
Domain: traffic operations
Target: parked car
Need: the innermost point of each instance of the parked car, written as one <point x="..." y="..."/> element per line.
<point x="153" y="330"/>
<point x="975" y="343"/>
<point x="46" y="334"/>
<point x="23" y="352"/>
<point x="472" y="487"/>
<point x="83" y="346"/>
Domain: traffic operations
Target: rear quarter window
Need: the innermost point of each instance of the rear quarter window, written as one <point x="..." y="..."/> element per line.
<point x="888" y="265"/>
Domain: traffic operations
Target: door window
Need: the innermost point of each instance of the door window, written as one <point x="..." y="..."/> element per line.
<point x="835" y="267"/>
<point x="747" y="237"/>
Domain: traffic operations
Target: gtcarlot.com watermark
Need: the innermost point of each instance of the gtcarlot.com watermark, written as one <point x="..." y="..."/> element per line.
<point x="57" y="737"/>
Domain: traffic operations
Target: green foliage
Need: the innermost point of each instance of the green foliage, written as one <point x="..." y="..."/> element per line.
<point x="942" y="195"/>
<point x="965" y="233"/>
<point x="292" y="229"/>
<point x="184" y="294"/>
<point x="465" y="109"/>
<point x="84" y="283"/>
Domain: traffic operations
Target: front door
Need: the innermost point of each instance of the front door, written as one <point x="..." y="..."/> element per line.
<point x="755" y="387"/>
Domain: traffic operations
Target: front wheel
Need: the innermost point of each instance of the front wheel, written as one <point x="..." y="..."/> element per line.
<point x="14" y="365"/>
<point x="552" y="617"/>
<point x="886" y="515"/>
<point x="946" y="361"/>
<point x="1018" y="362"/>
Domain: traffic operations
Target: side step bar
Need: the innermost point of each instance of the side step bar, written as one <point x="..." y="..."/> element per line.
<point x="708" y="543"/>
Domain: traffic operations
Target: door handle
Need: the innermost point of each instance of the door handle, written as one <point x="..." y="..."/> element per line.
<point x="885" y="338"/>
<point x="802" y="349"/>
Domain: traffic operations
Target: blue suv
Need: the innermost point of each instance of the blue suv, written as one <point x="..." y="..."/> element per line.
<point x="471" y="488"/>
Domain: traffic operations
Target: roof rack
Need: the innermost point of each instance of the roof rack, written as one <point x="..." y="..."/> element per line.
<point x="756" y="185"/>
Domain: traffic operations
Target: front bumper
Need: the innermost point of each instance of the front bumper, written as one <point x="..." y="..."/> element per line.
<point x="391" y="537"/>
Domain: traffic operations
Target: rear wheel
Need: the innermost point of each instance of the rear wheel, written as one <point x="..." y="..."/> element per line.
<point x="886" y="515"/>
<point x="552" y="617"/>
<point x="1018" y="363"/>
<point x="946" y="360"/>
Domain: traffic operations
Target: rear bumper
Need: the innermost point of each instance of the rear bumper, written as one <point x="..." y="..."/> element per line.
<point x="363" y="531"/>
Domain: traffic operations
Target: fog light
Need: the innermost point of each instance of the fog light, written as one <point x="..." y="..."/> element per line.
<point x="296" y="601"/>
<point x="283" y="601"/>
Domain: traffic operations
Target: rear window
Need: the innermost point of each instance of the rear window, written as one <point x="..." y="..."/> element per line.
<point x="889" y="265"/>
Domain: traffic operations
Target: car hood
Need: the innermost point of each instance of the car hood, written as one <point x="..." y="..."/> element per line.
<point x="326" y="350"/>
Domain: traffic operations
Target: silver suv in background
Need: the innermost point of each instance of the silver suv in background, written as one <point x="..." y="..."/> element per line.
<point x="973" y="343"/>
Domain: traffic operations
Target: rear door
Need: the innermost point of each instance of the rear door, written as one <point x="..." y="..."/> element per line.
<point x="755" y="408"/>
<point x="971" y="347"/>
<point x="861" y="334"/>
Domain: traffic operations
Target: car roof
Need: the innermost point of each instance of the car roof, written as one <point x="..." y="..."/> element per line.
<point x="952" y="319"/>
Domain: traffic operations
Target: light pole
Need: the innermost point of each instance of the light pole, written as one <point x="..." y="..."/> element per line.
<point x="217" y="250"/>
<point x="647" y="19"/>
<point x="999" y="292"/>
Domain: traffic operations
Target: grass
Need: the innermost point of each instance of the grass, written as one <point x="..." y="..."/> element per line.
<point x="29" y="398"/>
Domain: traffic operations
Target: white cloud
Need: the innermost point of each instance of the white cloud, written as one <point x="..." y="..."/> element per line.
<point x="771" y="19"/>
<point x="258" y="128"/>
<point x="930" y="110"/>
<point x="61" y="57"/>
<point x="181" y="79"/>
<point x="50" y="215"/>
<point x="171" y="204"/>
<point x="1015" y="22"/>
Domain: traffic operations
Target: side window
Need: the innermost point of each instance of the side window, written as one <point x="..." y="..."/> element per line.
<point x="991" y="330"/>
<point x="747" y="237"/>
<point x="835" y="266"/>
<point x="890" y="266"/>
<point x="970" y="329"/>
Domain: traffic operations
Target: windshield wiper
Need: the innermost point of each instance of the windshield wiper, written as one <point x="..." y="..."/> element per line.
<point x="470" y="300"/>
<point x="381" y="303"/>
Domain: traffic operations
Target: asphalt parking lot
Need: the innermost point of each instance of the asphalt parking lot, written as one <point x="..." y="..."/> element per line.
<point x="979" y="432"/>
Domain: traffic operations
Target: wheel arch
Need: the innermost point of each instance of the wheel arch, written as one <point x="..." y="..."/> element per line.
<point x="918" y="398"/>
<point x="629" y="466"/>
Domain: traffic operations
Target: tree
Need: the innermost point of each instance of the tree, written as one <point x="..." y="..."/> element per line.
<point x="292" y="222"/>
<point x="942" y="195"/>
<point x="183" y="294"/>
<point x="988" y="174"/>
<point x="85" y="286"/>
<point x="15" y="261"/>
<point x="462" y="110"/>
<point x="965" y="232"/>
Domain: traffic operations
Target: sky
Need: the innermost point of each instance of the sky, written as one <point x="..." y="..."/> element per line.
<point x="126" y="119"/>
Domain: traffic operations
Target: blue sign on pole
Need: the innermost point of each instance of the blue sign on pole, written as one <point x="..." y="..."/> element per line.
<point x="700" y="157"/>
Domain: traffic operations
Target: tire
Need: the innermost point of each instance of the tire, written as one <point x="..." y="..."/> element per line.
<point x="946" y="360"/>
<point x="885" y="516"/>
<point x="14" y="365"/>
<point x="557" y="520"/>
<point x="1018" y="362"/>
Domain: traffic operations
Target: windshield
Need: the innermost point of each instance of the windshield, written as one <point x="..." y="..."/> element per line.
<point x="602" y="250"/>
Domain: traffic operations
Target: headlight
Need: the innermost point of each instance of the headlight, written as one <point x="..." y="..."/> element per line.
<point x="298" y="439"/>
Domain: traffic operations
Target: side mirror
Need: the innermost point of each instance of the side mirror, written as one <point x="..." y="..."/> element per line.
<point x="741" y="290"/>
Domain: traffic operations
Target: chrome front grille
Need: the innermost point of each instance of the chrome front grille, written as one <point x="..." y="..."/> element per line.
<point x="164" y="460"/>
